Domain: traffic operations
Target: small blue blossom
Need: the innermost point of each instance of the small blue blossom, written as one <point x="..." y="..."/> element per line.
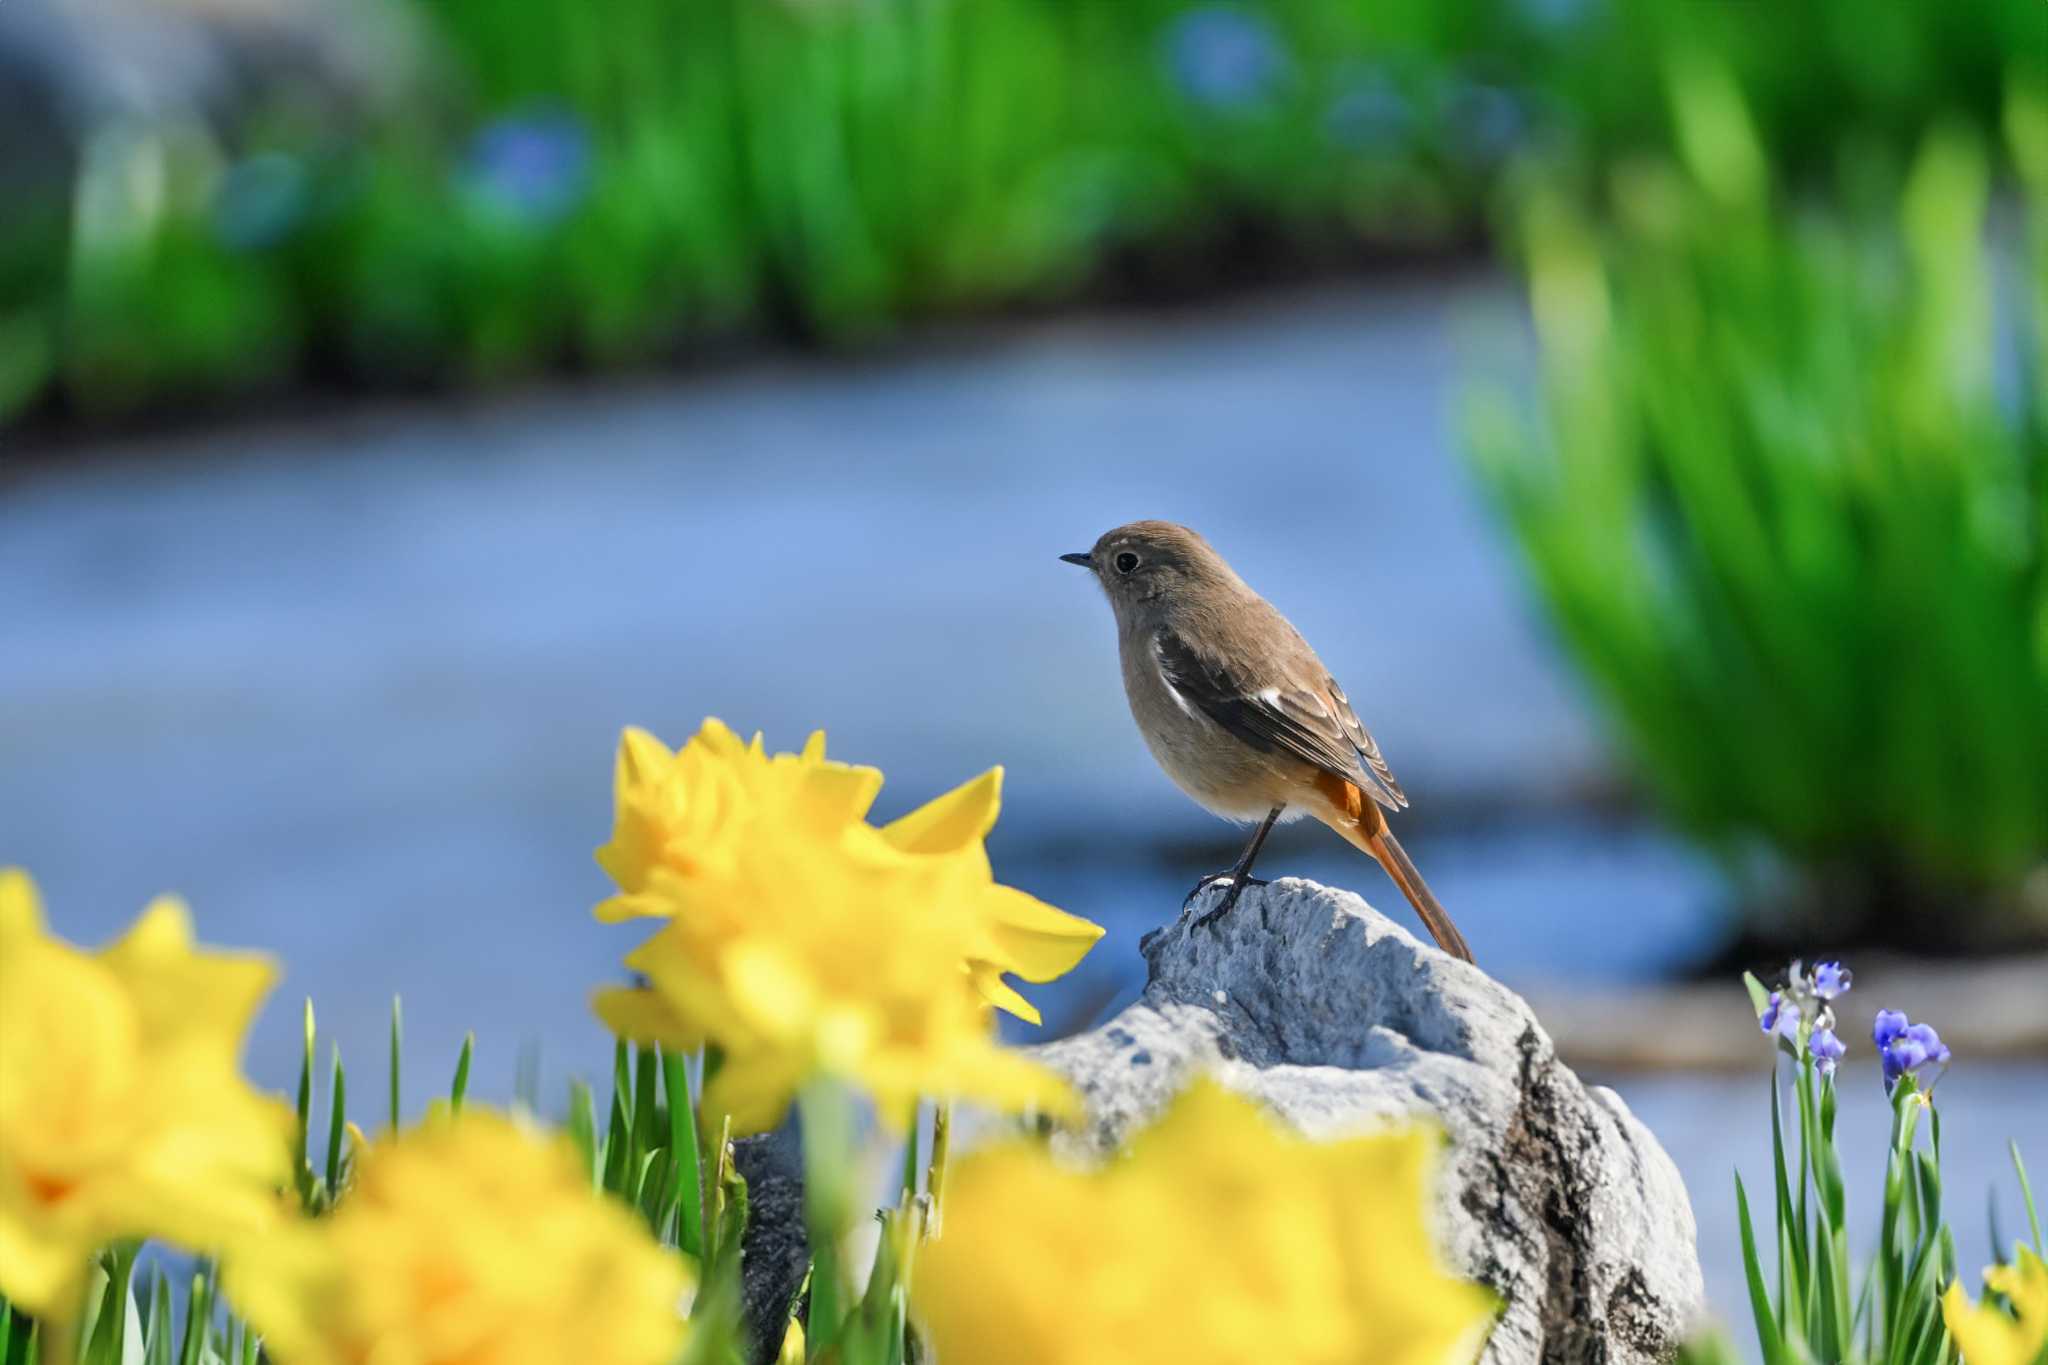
<point x="1780" y="1016"/>
<point x="1888" y="1025"/>
<point x="1370" y="114"/>
<point x="1555" y="15"/>
<point x="1827" y="1050"/>
<point x="1831" y="980"/>
<point x="1905" y="1047"/>
<point x="1224" y="58"/>
<point x="534" y="166"/>
<point x="1486" y="122"/>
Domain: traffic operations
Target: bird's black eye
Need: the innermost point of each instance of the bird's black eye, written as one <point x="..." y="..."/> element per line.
<point x="1126" y="562"/>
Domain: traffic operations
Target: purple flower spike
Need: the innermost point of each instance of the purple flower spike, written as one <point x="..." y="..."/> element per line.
<point x="1905" y="1047"/>
<point x="1831" y="979"/>
<point x="1780" y="1016"/>
<point x="1827" y="1050"/>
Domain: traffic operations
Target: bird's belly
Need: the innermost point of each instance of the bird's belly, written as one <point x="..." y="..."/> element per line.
<point x="1220" y="772"/>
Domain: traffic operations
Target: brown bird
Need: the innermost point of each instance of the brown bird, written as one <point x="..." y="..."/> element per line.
<point x="1241" y="713"/>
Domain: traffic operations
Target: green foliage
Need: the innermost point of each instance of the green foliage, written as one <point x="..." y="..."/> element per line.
<point x="750" y="165"/>
<point x="1820" y="76"/>
<point x="1785" y="501"/>
<point x="824" y="170"/>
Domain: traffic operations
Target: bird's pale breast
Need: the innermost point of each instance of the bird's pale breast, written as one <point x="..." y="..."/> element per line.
<point x="1223" y="775"/>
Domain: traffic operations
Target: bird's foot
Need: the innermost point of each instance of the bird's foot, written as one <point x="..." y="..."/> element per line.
<point x="1211" y="879"/>
<point x="1223" y="907"/>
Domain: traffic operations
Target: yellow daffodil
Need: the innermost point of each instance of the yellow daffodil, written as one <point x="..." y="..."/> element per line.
<point x="804" y="940"/>
<point x="682" y="817"/>
<point x="1012" y="931"/>
<point x="843" y="968"/>
<point x="469" y="1239"/>
<point x="1218" y="1237"/>
<point x="1989" y="1335"/>
<point x="123" y="1110"/>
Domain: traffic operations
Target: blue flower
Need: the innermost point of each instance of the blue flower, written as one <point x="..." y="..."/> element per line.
<point x="1905" y="1047"/>
<point x="534" y="167"/>
<point x="1831" y="979"/>
<point x="1486" y="122"/>
<point x="1888" y="1025"/>
<point x="1780" y="1016"/>
<point x="1827" y="1050"/>
<point x="1554" y="15"/>
<point x="1224" y="58"/>
<point x="1370" y="115"/>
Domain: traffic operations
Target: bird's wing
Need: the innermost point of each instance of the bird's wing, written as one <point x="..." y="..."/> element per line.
<point x="1302" y="714"/>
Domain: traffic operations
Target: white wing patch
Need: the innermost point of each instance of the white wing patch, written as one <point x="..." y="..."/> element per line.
<point x="1166" y="680"/>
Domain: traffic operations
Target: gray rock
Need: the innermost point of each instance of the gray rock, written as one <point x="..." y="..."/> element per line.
<point x="1330" y="1013"/>
<point x="775" y="1249"/>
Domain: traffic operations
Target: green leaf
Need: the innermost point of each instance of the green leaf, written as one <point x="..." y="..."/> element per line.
<point x="397" y="1051"/>
<point x="2027" y="1195"/>
<point x="1759" y="994"/>
<point x="618" y="1147"/>
<point x="106" y="1342"/>
<point x="337" y="1125"/>
<point x="907" y="1190"/>
<point x="645" y="1071"/>
<point x="162" y="1327"/>
<point x="682" y="1138"/>
<point x="1792" y="1266"/>
<point x="458" y="1090"/>
<point x="1768" y="1336"/>
<point x="198" y="1317"/>
<point x="583" y="1129"/>
<point x="302" y="1165"/>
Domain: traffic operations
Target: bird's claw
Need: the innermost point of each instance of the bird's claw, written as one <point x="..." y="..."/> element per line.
<point x="1237" y="886"/>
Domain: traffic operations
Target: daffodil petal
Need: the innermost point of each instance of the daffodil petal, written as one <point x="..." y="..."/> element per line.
<point x="643" y="1017"/>
<point x="989" y="984"/>
<point x="618" y="909"/>
<point x="949" y="822"/>
<point x="1030" y="938"/>
<point x="21" y="910"/>
<point x="40" y="1274"/>
<point x="756" y="1090"/>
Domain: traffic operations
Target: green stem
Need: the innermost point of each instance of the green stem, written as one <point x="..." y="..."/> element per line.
<point x="935" y="1175"/>
<point x="908" y="1195"/>
<point x="827" y="1114"/>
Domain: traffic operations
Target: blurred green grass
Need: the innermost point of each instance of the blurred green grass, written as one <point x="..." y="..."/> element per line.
<point x="1784" y="501"/>
<point x="599" y="186"/>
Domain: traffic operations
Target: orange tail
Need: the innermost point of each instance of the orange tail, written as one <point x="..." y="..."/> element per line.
<point x="1354" y="815"/>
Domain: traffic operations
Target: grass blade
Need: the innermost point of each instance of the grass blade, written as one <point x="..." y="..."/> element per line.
<point x="682" y="1141"/>
<point x="458" y="1090"/>
<point x="302" y="1166"/>
<point x="337" y="1126"/>
<point x="583" y="1127"/>
<point x="397" y="1049"/>
<point x="2027" y="1196"/>
<point x="1768" y="1336"/>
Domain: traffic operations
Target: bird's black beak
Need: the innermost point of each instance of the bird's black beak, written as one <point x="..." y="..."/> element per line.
<point x="1080" y="558"/>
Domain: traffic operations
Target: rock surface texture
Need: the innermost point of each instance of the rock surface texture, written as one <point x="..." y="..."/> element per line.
<point x="1306" y="997"/>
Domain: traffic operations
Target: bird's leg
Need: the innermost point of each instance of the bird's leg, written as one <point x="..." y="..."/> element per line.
<point x="1240" y="875"/>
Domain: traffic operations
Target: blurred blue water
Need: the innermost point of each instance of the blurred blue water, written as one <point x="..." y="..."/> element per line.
<point x="352" y="684"/>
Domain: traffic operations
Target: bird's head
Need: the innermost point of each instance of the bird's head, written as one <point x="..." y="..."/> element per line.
<point x="1148" y="562"/>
